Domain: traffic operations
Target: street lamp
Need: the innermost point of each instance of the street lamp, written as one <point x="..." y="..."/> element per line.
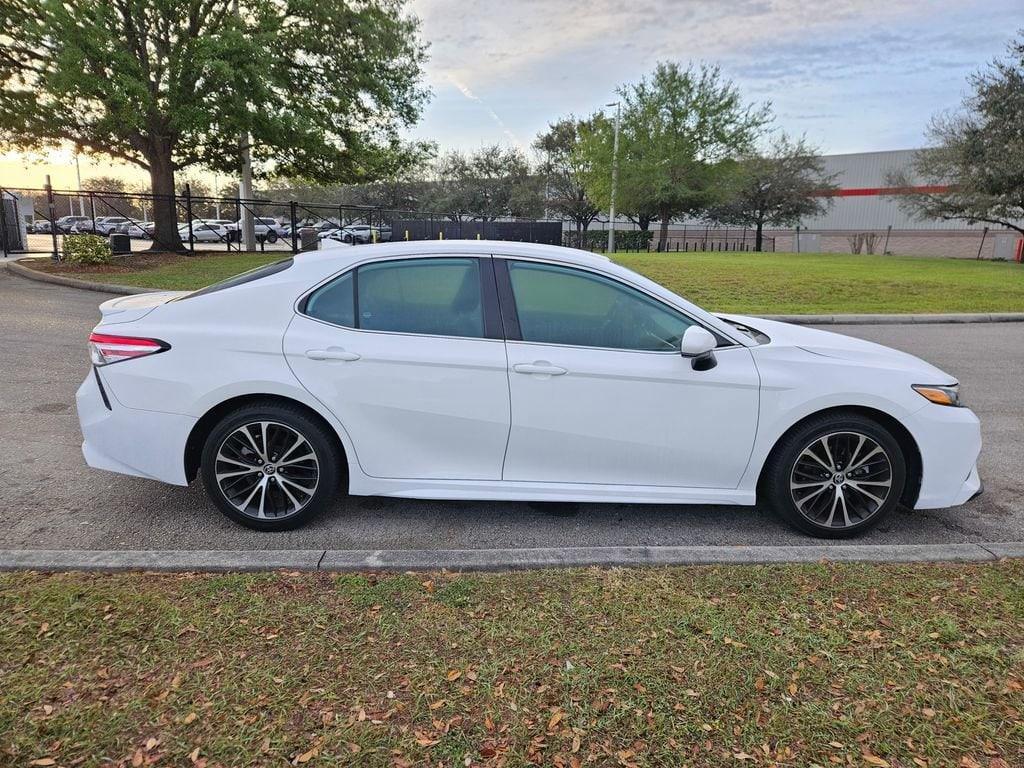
<point x="615" y="177"/>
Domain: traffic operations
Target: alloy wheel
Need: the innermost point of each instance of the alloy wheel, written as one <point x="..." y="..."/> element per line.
<point x="267" y="470"/>
<point x="841" y="479"/>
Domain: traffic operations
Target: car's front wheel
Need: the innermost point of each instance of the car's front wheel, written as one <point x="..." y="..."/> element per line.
<point x="269" y="466"/>
<point x="836" y="476"/>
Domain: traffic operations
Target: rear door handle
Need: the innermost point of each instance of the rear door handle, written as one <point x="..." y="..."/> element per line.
<point x="540" y="367"/>
<point x="332" y="353"/>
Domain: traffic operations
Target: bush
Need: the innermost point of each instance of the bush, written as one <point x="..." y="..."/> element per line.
<point x="86" y="249"/>
<point x="625" y="239"/>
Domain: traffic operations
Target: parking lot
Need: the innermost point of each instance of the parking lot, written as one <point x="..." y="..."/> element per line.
<point x="53" y="501"/>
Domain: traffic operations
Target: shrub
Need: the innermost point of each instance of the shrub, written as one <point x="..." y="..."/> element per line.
<point x="625" y="239"/>
<point x="86" y="249"/>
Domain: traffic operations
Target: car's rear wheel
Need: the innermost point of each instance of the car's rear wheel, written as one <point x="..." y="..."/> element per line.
<point x="271" y="236"/>
<point x="836" y="476"/>
<point x="270" y="466"/>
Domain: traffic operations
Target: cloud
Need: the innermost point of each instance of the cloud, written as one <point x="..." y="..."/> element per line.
<point x="465" y="91"/>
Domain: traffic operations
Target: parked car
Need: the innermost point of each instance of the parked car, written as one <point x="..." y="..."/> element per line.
<point x="363" y="233"/>
<point x="40" y="227"/>
<point x="321" y="227"/>
<point x="66" y="224"/>
<point x="207" y="231"/>
<point x="510" y="371"/>
<point x="266" y="228"/>
<point x="138" y="229"/>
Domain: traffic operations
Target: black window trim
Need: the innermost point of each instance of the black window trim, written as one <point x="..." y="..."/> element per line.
<point x="488" y="296"/>
<point x="510" y="313"/>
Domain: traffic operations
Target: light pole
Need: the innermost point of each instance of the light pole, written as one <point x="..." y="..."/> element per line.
<point x="247" y="233"/>
<point x="615" y="177"/>
<point x="78" y="177"/>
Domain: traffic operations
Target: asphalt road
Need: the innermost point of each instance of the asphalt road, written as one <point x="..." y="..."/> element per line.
<point x="51" y="500"/>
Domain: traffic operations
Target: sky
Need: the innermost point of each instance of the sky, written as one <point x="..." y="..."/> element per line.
<point x="852" y="75"/>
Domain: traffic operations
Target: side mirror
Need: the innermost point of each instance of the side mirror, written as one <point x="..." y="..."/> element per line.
<point x="698" y="345"/>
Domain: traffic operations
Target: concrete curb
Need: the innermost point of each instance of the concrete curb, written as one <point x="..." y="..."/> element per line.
<point x="957" y="317"/>
<point x="494" y="559"/>
<point x="73" y="282"/>
<point x="976" y="317"/>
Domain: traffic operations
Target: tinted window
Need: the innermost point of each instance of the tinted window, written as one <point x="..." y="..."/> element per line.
<point x="559" y="305"/>
<point x="334" y="302"/>
<point x="440" y="297"/>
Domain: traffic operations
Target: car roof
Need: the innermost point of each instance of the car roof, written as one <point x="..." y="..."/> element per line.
<point x="427" y="248"/>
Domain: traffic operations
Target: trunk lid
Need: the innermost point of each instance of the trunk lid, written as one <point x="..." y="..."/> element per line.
<point x="127" y="309"/>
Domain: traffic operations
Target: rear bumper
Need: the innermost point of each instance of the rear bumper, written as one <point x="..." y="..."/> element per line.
<point x="950" y="442"/>
<point x="131" y="441"/>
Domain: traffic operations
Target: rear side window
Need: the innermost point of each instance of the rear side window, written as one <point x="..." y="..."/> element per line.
<point x="438" y="297"/>
<point x="246" y="277"/>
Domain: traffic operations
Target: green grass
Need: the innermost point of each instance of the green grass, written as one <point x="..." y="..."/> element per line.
<point x="766" y="283"/>
<point x="188" y="274"/>
<point x="822" y="665"/>
<point x="790" y="283"/>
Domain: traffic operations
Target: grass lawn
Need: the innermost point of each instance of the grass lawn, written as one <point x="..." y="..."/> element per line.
<point x="852" y="665"/>
<point x="766" y="283"/>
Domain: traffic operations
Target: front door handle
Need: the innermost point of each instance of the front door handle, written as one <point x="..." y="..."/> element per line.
<point x="331" y="353"/>
<point x="540" y="367"/>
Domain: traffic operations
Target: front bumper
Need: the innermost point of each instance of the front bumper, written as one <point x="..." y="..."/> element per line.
<point x="949" y="440"/>
<point x="131" y="441"/>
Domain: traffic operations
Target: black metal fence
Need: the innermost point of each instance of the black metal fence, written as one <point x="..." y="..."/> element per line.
<point x="37" y="220"/>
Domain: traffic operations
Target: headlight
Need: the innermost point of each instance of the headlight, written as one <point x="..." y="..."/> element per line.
<point x="939" y="394"/>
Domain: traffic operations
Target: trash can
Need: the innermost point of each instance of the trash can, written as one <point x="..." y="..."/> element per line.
<point x="308" y="239"/>
<point x="120" y="244"/>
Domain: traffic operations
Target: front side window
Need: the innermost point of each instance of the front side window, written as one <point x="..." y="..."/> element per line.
<point x="438" y="297"/>
<point x="561" y="305"/>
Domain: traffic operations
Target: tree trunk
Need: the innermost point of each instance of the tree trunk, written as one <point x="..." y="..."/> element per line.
<point x="165" y="213"/>
<point x="663" y="231"/>
<point x="759" y="236"/>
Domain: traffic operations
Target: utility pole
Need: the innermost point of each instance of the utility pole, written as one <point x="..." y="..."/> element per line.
<point x="78" y="176"/>
<point x="248" y="233"/>
<point x="615" y="177"/>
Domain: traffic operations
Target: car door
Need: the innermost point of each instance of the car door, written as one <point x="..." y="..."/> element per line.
<point x="408" y="354"/>
<point x="601" y="394"/>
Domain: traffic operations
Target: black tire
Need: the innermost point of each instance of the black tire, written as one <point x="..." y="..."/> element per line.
<point x="824" y="501"/>
<point x="346" y="239"/>
<point x="280" y="493"/>
<point x="271" y="236"/>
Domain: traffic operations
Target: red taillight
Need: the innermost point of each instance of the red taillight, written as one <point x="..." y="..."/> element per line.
<point x="105" y="349"/>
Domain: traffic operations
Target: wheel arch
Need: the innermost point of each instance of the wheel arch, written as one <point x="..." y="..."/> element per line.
<point x="911" y="451"/>
<point x="206" y="423"/>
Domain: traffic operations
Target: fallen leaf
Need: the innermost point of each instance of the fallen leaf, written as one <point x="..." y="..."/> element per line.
<point x="191" y="717"/>
<point x="875" y="760"/>
<point x="454" y="674"/>
<point x="305" y="757"/>
<point x="928" y="712"/>
<point x="555" y="719"/>
<point x="43" y="761"/>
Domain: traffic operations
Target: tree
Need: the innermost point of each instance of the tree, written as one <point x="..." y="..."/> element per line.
<point x="777" y="188"/>
<point x="322" y="87"/>
<point x="680" y="130"/>
<point x="975" y="171"/>
<point x="492" y="182"/>
<point x="563" y="169"/>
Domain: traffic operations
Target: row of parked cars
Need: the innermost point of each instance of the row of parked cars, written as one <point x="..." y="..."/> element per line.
<point x="267" y="229"/>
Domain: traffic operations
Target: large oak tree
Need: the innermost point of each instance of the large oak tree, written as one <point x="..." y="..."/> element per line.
<point x="974" y="171"/>
<point x="323" y="87"/>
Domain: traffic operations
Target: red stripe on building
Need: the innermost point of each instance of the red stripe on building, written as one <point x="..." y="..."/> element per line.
<point x="879" y="191"/>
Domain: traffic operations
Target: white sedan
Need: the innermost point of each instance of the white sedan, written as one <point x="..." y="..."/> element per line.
<point x="487" y="370"/>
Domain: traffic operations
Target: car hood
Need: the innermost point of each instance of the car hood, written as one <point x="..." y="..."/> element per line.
<point x="863" y="354"/>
